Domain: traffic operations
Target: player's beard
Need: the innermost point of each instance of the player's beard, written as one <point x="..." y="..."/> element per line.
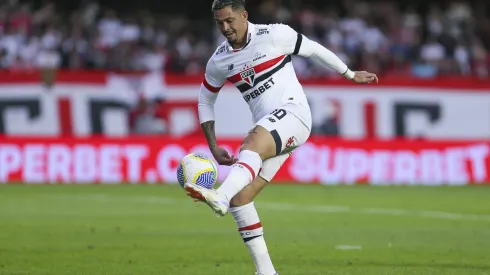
<point x="232" y="38"/>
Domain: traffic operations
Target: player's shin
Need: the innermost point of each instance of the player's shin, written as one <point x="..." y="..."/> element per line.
<point x="241" y="174"/>
<point x="251" y="231"/>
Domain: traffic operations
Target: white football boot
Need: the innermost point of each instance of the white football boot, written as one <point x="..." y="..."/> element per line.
<point x="256" y="273"/>
<point x="217" y="202"/>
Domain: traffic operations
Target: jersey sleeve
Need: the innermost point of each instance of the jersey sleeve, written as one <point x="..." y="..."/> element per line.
<point x="213" y="78"/>
<point x="286" y="39"/>
<point x="211" y="85"/>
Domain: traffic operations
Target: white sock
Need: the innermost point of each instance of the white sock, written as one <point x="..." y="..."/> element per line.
<point x="242" y="174"/>
<point x="252" y="233"/>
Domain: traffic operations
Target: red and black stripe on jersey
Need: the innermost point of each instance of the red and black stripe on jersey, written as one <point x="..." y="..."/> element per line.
<point x="260" y="68"/>
<point x="265" y="66"/>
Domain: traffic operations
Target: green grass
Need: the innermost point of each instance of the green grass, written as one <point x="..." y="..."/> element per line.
<point x="128" y="229"/>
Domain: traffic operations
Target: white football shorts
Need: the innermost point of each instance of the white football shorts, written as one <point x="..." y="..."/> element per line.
<point x="288" y="131"/>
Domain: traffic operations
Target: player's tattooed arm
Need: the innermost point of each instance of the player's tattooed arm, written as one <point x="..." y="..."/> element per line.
<point x="209" y="133"/>
<point x="220" y="154"/>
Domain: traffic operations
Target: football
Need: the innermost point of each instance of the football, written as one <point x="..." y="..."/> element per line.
<point x="199" y="169"/>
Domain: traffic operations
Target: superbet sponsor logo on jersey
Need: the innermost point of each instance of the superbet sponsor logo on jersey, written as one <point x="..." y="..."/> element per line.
<point x="261" y="89"/>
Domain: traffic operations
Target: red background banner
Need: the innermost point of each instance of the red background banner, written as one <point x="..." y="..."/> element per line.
<point x="325" y="161"/>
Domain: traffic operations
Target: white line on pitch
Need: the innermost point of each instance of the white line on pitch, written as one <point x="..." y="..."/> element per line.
<point x="348" y="247"/>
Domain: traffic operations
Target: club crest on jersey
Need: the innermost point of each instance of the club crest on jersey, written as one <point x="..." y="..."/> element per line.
<point x="248" y="76"/>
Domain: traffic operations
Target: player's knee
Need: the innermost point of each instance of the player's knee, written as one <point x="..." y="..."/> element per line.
<point x="251" y="146"/>
<point x="263" y="151"/>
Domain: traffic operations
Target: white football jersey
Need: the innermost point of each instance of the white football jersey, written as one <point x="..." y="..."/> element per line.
<point x="262" y="70"/>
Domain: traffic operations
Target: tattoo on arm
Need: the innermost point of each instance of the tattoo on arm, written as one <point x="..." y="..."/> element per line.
<point x="208" y="129"/>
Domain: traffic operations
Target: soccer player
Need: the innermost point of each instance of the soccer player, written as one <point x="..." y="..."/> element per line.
<point x="257" y="60"/>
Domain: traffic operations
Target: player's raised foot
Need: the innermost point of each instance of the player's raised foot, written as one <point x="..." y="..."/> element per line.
<point x="217" y="202"/>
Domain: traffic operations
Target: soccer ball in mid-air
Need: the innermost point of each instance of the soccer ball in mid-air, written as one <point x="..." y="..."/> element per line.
<point x="199" y="169"/>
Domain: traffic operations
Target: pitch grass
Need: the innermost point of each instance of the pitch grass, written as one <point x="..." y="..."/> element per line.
<point x="157" y="230"/>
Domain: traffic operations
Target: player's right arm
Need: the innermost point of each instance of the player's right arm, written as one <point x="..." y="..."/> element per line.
<point x="288" y="41"/>
<point x="210" y="87"/>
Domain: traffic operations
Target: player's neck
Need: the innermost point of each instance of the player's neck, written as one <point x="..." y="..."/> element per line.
<point x="239" y="44"/>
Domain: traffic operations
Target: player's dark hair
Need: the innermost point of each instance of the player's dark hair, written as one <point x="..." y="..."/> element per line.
<point x="234" y="4"/>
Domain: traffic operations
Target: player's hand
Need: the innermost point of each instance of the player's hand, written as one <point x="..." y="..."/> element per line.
<point x="222" y="157"/>
<point x="364" y="77"/>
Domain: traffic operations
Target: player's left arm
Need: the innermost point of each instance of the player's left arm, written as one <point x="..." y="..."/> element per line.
<point x="291" y="42"/>
<point x="211" y="85"/>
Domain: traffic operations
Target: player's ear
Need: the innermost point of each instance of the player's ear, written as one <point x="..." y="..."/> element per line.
<point x="245" y="15"/>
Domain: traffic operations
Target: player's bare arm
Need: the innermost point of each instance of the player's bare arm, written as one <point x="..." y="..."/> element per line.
<point x="210" y="134"/>
<point x="220" y="154"/>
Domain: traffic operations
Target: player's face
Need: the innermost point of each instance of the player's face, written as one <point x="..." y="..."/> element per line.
<point x="232" y="24"/>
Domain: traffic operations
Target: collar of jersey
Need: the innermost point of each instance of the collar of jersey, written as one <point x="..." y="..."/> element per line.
<point x="251" y="31"/>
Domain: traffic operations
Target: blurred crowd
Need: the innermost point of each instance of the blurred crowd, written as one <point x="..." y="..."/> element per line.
<point x="386" y="37"/>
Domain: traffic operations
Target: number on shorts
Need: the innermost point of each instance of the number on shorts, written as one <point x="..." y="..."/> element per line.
<point x="279" y="114"/>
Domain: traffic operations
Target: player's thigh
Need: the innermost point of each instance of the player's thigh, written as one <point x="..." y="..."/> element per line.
<point x="259" y="140"/>
<point x="276" y="133"/>
<point x="248" y="194"/>
<point x="286" y="129"/>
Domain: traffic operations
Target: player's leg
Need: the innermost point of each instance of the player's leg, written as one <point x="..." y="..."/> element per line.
<point x="273" y="135"/>
<point x="247" y="219"/>
<point x="266" y="174"/>
<point x="260" y="144"/>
